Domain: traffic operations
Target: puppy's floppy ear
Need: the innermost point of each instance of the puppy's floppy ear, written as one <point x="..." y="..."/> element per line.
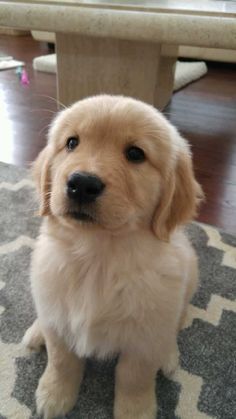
<point x="180" y="198"/>
<point x="41" y="175"/>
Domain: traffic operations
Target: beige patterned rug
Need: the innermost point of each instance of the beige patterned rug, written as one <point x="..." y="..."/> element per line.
<point x="204" y="386"/>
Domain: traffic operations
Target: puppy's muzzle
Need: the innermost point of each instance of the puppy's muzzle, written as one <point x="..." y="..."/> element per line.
<point x="84" y="188"/>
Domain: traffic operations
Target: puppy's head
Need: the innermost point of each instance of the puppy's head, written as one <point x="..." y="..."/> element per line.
<point x="116" y="163"/>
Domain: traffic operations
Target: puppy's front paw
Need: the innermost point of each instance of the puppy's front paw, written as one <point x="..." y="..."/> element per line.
<point x="143" y="407"/>
<point x="55" y="396"/>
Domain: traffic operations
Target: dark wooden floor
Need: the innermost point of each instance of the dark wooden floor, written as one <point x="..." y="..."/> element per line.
<point x="204" y="112"/>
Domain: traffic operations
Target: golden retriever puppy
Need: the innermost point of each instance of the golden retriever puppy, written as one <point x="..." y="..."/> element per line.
<point x="112" y="271"/>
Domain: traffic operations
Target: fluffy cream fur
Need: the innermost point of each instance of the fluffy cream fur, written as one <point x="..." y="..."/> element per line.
<point x="120" y="285"/>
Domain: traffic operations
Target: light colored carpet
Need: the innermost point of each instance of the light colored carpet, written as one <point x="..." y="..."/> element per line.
<point x="46" y="63"/>
<point x="185" y="73"/>
<point x="7" y="62"/>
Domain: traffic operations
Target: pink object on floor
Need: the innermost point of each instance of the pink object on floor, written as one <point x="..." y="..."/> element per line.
<point x="24" y="78"/>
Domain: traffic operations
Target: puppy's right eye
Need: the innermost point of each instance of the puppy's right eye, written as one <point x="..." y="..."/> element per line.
<point x="135" y="154"/>
<point x="72" y="143"/>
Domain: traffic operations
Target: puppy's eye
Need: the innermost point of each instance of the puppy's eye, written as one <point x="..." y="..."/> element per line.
<point x="135" y="154"/>
<point x="72" y="143"/>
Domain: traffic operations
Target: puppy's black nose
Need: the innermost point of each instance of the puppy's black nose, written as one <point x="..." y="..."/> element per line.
<point x="84" y="187"/>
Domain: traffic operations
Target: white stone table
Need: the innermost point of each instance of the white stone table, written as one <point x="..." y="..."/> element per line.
<point x="123" y="47"/>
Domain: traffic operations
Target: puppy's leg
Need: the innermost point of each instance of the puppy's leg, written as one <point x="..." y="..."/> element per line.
<point x="135" y="388"/>
<point x="172" y="361"/>
<point x="59" y="385"/>
<point x="190" y="290"/>
<point x="33" y="338"/>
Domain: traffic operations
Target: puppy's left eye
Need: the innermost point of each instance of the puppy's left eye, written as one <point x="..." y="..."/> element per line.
<point x="72" y="143"/>
<point x="135" y="154"/>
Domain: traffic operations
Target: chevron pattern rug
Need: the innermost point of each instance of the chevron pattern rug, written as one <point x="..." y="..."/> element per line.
<point x="204" y="386"/>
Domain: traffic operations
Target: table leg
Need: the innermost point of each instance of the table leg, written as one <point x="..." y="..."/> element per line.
<point x="89" y="66"/>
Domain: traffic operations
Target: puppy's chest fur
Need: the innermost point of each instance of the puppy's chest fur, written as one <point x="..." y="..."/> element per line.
<point x="101" y="294"/>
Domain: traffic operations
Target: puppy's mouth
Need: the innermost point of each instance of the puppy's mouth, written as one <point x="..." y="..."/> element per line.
<point x="81" y="216"/>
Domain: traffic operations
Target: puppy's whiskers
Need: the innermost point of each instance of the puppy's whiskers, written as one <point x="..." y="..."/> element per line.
<point x="43" y="110"/>
<point x="53" y="99"/>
